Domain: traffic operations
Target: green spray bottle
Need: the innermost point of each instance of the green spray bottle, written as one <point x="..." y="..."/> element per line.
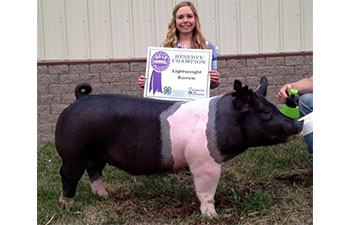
<point x="290" y="108"/>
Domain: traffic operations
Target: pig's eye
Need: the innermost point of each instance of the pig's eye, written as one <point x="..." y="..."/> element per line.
<point x="266" y="115"/>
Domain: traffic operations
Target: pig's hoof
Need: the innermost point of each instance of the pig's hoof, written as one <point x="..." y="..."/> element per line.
<point x="98" y="188"/>
<point x="210" y="213"/>
<point x="209" y="210"/>
<point x="102" y="193"/>
<point x="66" y="202"/>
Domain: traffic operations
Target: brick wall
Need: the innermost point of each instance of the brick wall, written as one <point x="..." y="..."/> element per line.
<point x="56" y="82"/>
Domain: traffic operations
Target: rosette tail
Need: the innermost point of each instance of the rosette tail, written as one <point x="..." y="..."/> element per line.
<point x="151" y="83"/>
<point x="156" y="82"/>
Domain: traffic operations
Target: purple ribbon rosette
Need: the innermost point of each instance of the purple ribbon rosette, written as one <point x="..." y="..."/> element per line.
<point x="160" y="61"/>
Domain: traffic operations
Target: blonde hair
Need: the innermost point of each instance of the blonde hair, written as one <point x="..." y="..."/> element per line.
<point x="172" y="37"/>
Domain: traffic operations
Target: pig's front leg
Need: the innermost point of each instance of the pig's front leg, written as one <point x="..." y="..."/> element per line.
<point x="206" y="177"/>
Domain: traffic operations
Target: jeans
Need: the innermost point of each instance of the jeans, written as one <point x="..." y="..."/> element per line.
<point x="306" y="107"/>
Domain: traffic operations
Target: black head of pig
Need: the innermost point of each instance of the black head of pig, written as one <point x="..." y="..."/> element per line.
<point x="262" y="123"/>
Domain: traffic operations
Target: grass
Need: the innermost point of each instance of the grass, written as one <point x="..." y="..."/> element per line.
<point x="264" y="185"/>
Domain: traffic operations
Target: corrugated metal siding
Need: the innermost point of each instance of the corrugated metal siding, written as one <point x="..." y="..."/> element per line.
<point x="115" y="29"/>
<point x="227" y="36"/>
<point x="270" y="27"/>
<point x="306" y="24"/>
<point x="78" y="32"/>
<point x="248" y="26"/>
<point x="291" y="29"/>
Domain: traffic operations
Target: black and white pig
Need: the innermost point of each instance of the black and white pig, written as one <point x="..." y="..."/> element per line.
<point x="148" y="136"/>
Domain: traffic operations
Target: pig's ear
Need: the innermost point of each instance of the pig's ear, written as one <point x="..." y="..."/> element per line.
<point x="242" y="97"/>
<point x="237" y="85"/>
<point x="262" y="89"/>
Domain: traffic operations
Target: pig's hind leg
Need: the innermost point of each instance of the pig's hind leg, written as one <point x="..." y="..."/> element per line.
<point x="71" y="171"/>
<point x="94" y="170"/>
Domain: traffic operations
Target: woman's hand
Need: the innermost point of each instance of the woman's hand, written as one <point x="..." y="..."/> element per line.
<point x="141" y="81"/>
<point x="214" y="78"/>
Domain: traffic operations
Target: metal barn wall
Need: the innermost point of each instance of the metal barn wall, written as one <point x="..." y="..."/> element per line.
<point x="123" y="29"/>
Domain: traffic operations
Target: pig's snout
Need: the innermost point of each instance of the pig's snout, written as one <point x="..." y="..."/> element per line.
<point x="299" y="125"/>
<point x="297" y="130"/>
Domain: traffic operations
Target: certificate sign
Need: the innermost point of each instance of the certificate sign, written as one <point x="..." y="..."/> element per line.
<point x="178" y="74"/>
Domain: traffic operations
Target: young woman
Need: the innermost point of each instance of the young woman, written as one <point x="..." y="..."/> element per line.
<point x="184" y="32"/>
